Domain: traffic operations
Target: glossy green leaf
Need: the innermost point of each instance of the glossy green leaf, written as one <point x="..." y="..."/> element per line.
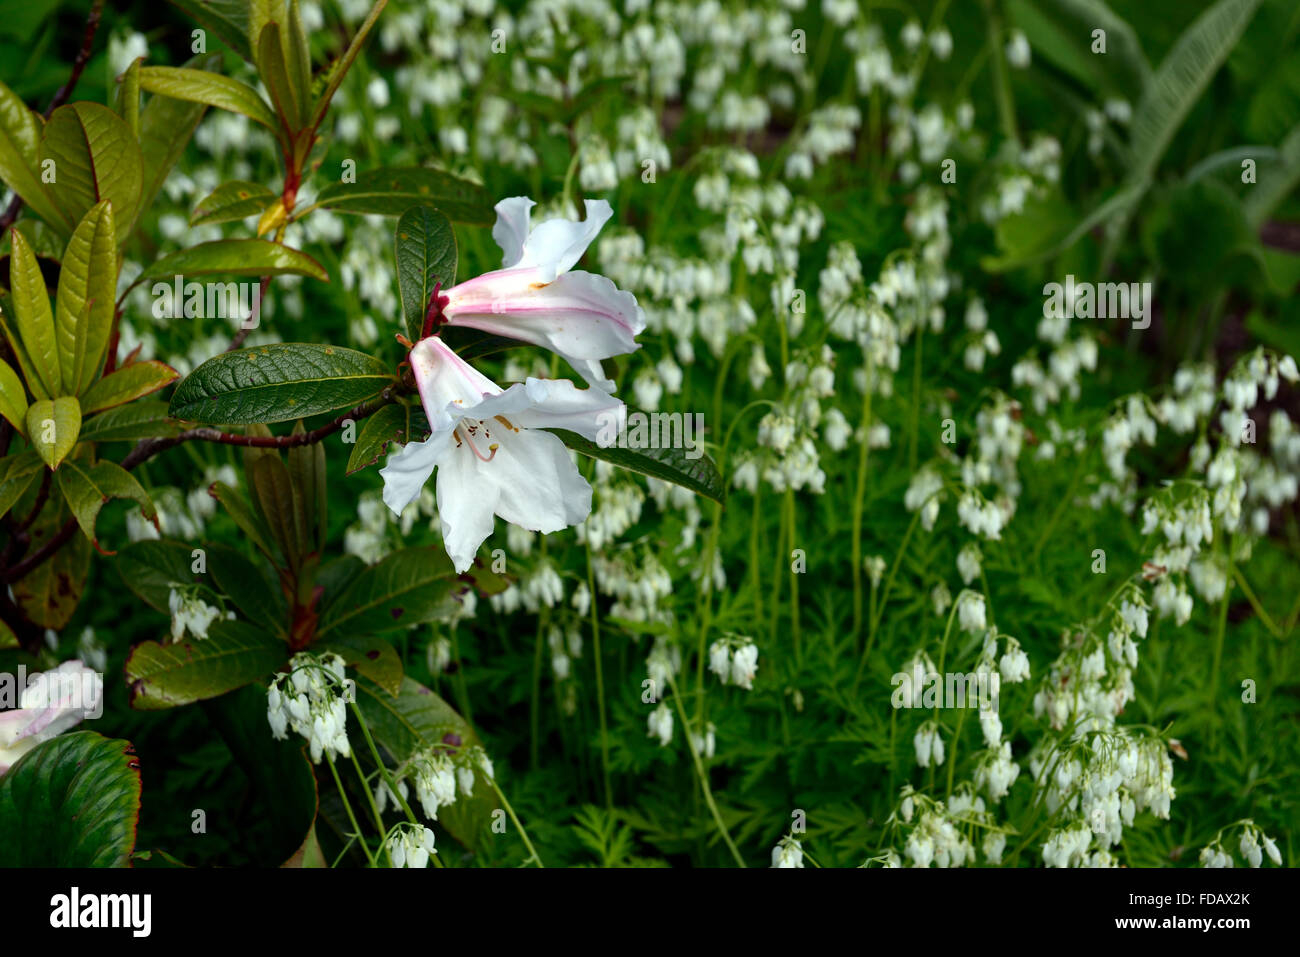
<point x="249" y="522"/>
<point x="35" y="343"/>
<point x="146" y="419"/>
<point x="52" y="428"/>
<point x="1061" y="32"/>
<point x="151" y="569"/>
<point x="391" y="191"/>
<point x="699" y="473"/>
<point x="245" y="584"/>
<point x="426" y="258"/>
<point x="72" y="801"/>
<point x="17" y="472"/>
<point x="126" y="384"/>
<point x="277" y="505"/>
<point x="234" y="654"/>
<point x="275" y="74"/>
<point x="370" y="655"/>
<point x="212" y="89"/>
<point x="127" y="98"/>
<point x="408" y="587"/>
<point x="228" y="19"/>
<point x="277" y="383"/>
<point x="234" y="257"/>
<point x="13" y="398"/>
<point x="96" y="159"/>
<point x="88" y="487"/>
<point x="83" y="316"/>
<point x="20" y="160"/>
<point x="392" y="423"/>
<point x="237" y="199"/>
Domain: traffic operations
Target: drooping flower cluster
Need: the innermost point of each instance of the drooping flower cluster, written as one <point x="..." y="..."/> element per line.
<point x="310" y="700"/>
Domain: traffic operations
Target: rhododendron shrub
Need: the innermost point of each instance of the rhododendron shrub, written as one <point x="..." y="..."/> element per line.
<point x="789" y="433"/>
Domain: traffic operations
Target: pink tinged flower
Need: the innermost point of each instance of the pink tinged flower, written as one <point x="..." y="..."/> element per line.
<point x="536" y="298"/>
<point x="52" y="702"/>
<point x="490" y="455"/>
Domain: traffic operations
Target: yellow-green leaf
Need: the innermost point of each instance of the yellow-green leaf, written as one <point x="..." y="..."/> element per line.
<point x="16" y="474"/>
<point x="36" y="348"/>
<point x="275" y="74"/>
<point x="96" y="158"/>
<point x="88" y="487"/>
<point x="52" y="427"/>
<point x="20" y="163"/>
<point x="199" y="86"/>
<point x="127" y="383"/>
<point x="87" y="285"/>
<point x="13" y="398"/>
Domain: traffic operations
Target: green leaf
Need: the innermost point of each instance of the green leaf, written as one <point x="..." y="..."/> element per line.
<point x="17" y="472"/>
<point x="475" y="343"/>
<point x="88" y="488"/>
<point x="698" y="474"/>
<point x="1275" y="182"/>
<point x="48" y="595"/>
<point x="392" y="191"/>
<point x="277" y="505"/>
<point x="237" y="199"/>
<point x="166" y="125"/>
<point x="52" y="428"/>
<point x="243" y="515"/>
<point x="276" y="383"/>
<point x="96" y="158"/>
<point x="72" y="801"/>
<point x="228" y="19"/>
<point x="275" y="74"/>
<point x="20" y="160"/>
<point x="212" y="89"/>
<point x="35" y="345"/>
<point x="370" y="655"/>
<point x="126" y="384"/>
<point x="415" y="719"/>
<point x="1038" y="233"/>
<point x="83" y="317"/>
<point x="151" y="569"/>
<point x="234" y="654"/>
<point x="245" y="584"/>
<point x="283" y="782"/>
<point x="392" y="423"/>
<point x="128" y="423"/>
<point x="234" y="257"/>
<point x="1061" y="31"/>
<point x="339" y="69"/>
<point x="426" y="257"/>
<point x="1182" y="77"/>
<point x="127" y="100"/>
<point x="408" y="587"/>
<point x="307" y="472"/>
<point x="13" y="398"/>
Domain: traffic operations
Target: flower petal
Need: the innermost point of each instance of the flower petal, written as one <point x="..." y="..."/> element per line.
<point x="580" y="315"/>
<point x="447" y="382"/>
<point x="557" y="244"/>
<point x="511" y="229"/>
<point x="540" y="487"/>
<point x="467" y="499"/>
<point x="407" y="471"/>
<point x="557" y="404"/>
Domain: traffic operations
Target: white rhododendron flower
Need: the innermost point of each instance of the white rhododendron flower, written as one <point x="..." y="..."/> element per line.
<point x="52" y="702"/>
<point x="491" y="457"/>
<point x="538" y="298"/>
